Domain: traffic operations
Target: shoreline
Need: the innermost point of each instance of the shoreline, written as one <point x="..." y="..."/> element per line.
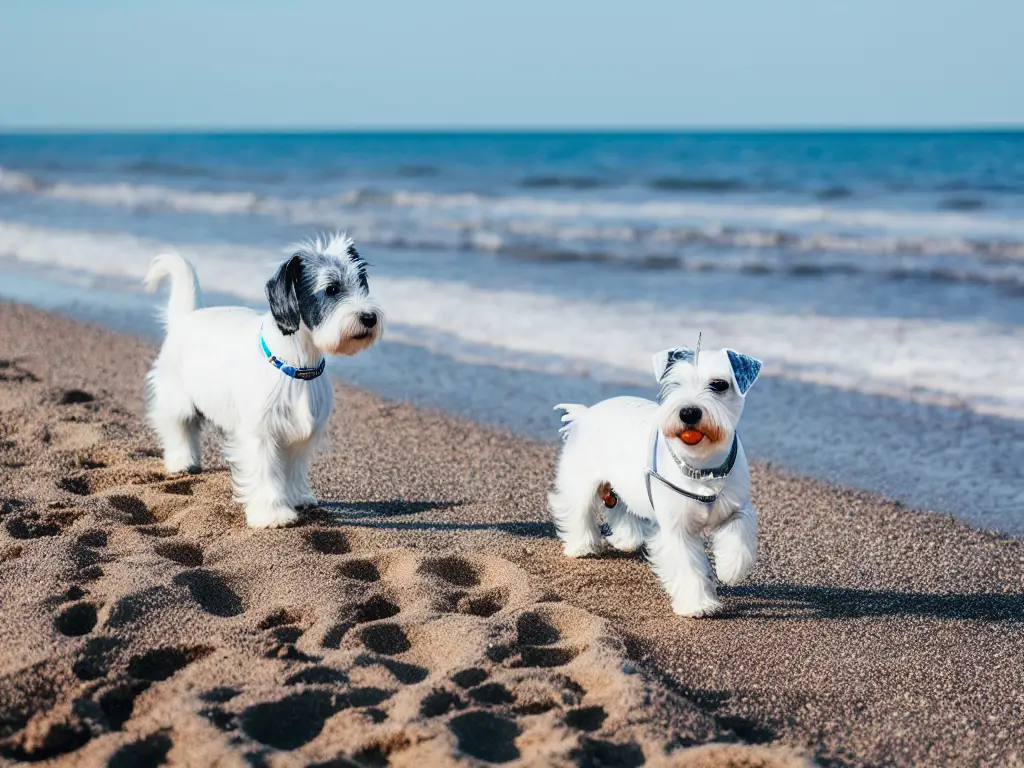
<point x="866" y="635"/>
<point x="923" y="456"/>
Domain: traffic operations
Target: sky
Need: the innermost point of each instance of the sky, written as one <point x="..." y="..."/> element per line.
<point x="322" y="64"/>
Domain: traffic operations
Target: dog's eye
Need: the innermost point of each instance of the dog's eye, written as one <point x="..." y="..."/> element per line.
<point x="718" y="385"/>
<point x="333" y="289"/>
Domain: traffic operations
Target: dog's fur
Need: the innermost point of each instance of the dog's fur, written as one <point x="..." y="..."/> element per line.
<point x="609" y="443"/>
<point x="211" y="367"/>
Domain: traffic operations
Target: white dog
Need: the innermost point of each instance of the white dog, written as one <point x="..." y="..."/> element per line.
<point x="258" y="377"/>
<point x="668" y="472"/>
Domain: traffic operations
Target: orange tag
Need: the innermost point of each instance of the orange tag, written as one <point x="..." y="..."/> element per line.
<point x="691" y="436"/>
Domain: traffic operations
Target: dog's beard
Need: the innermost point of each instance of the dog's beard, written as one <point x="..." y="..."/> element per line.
<point x="344" y="334"/>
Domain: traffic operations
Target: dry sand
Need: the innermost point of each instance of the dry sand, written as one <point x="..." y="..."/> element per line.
<point x="425" y="615"/>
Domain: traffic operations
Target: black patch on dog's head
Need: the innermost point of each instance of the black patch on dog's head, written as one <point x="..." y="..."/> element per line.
<point x="283" y="294"/>
<point x="360" y="264"/>
<point x="312" y="283"/>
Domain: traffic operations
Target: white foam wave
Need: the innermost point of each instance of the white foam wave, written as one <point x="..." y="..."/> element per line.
<point x="625" y="230"/>
<point x="14" y="181"/>
<point x="916" y="360"/>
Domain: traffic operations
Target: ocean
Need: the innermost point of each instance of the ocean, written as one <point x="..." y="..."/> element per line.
<point x="880" y="276"/>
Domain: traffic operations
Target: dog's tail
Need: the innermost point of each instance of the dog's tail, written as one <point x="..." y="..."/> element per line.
<point x="573" y="411"/>
<point x="184" y="284"/>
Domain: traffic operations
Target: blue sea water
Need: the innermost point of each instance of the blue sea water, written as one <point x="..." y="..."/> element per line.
<point x="880" y="275"/>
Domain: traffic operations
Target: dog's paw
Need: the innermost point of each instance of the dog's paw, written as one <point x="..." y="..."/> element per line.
<point x="175" y="466"/>
<point x="306" y="501"/>
<point x="625" y="540"/>
<point x="733" y="569"/>
<point x="695" y="610"/>
<point x="270" y="517"/>
<point x="732" y="577"/>
<point x="581" y="549"/>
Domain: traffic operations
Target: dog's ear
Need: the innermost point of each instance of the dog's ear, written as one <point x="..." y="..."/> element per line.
<point x="664" y="360"/>
<point x="744" y="370"/>
<point x="283" y="295"/>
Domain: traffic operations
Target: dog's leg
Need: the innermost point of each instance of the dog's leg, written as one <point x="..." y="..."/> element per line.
<point x="573" y="504"/>
<point x="735" y="545"/>
<point x="299" y="494"/>
<point x="682" y="566"/>
<point x="173" y="417"/>
<point x="259" y="474"/>
<point x="628" y="531"/>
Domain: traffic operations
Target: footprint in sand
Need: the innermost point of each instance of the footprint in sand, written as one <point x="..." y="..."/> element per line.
<point x="375" y="608"/>
<point x="292" y="721"/>
<point x="77" y="484"/>
<point x="11" y="371"/>
<point x="99" y="477"/>
<point x="86" y="556"/>
<point x="454" y="570"/>
<point x="492" y="694"/>
<point x="586" y="718"/>
<point x="440" y="702"/>
<point x="318" y="675"/>
<point x="486" y="736"/>
<point x="117" y="701"/>
<point x="74" y="397"/>
<point x="160" y="663"/>
<point x="96" y="658"/>
<point x="133" y="509"/>
<point x="359" y="570"/>
<point x="150" y="751"/>
<point x="33" y="525"/>
<point x="385" y="639"/>
<point x="184" y="487"/>
<point x="475" y="599"/>
<point x="404" y="672"/>
<point x="211" y="591"/>
<point x="328" y="541"/>
<point x="181" y="552"/>
<point x="597" y="752"/>
<point x="467" y="678"/>
<point x="76" y="620"/>
<point x="135" y="607"/>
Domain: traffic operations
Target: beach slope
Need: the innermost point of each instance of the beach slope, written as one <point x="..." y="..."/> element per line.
<point x="424" y="615"/>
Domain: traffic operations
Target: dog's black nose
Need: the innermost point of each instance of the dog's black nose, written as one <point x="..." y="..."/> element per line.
<point x="368" y="319"/>
<point x="690" y="414"/>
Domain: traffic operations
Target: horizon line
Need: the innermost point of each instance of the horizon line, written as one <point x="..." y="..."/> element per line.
<point x="499" y="129"/>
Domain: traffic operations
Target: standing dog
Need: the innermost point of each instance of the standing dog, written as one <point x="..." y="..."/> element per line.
<point x="259" y="377"/>
<point x="669" y="472"/>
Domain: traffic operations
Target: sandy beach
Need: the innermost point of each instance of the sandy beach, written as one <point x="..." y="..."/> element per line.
<point x="425" y="615"/>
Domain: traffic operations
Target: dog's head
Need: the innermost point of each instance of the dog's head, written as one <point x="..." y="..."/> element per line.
<point x="702" y="398"/>
<point x="323" y="288"/>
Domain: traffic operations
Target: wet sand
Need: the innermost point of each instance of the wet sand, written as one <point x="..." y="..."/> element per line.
<point x="426" y="616"/>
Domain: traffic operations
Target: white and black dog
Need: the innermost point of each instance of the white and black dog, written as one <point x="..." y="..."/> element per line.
<point x="258" y="376"/>
<point x="668" y="472"/>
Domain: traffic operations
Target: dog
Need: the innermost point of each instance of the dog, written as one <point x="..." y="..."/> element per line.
<point x="666" y="473"/>
<point x="258" y="377"/>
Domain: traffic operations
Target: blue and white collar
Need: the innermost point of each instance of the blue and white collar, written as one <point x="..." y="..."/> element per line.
<point x="305" y="374"/>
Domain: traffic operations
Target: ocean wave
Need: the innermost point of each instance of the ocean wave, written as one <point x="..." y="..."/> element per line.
<point x="961" y="204"/>
<point x="916" y="359"/>
<point x="173" y="170"/>
<point x="563" y="182"/>
<point x="645" y="230"/>
<point x="688" y="184"/>
<point x="16" y="181"/>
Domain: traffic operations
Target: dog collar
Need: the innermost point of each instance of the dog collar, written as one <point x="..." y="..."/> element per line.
<point x="305" y="374"/>
<point x="721" y="472"/>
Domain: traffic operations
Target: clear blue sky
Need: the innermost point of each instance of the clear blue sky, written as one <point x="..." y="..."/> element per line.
<point x="469" y="63"/>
